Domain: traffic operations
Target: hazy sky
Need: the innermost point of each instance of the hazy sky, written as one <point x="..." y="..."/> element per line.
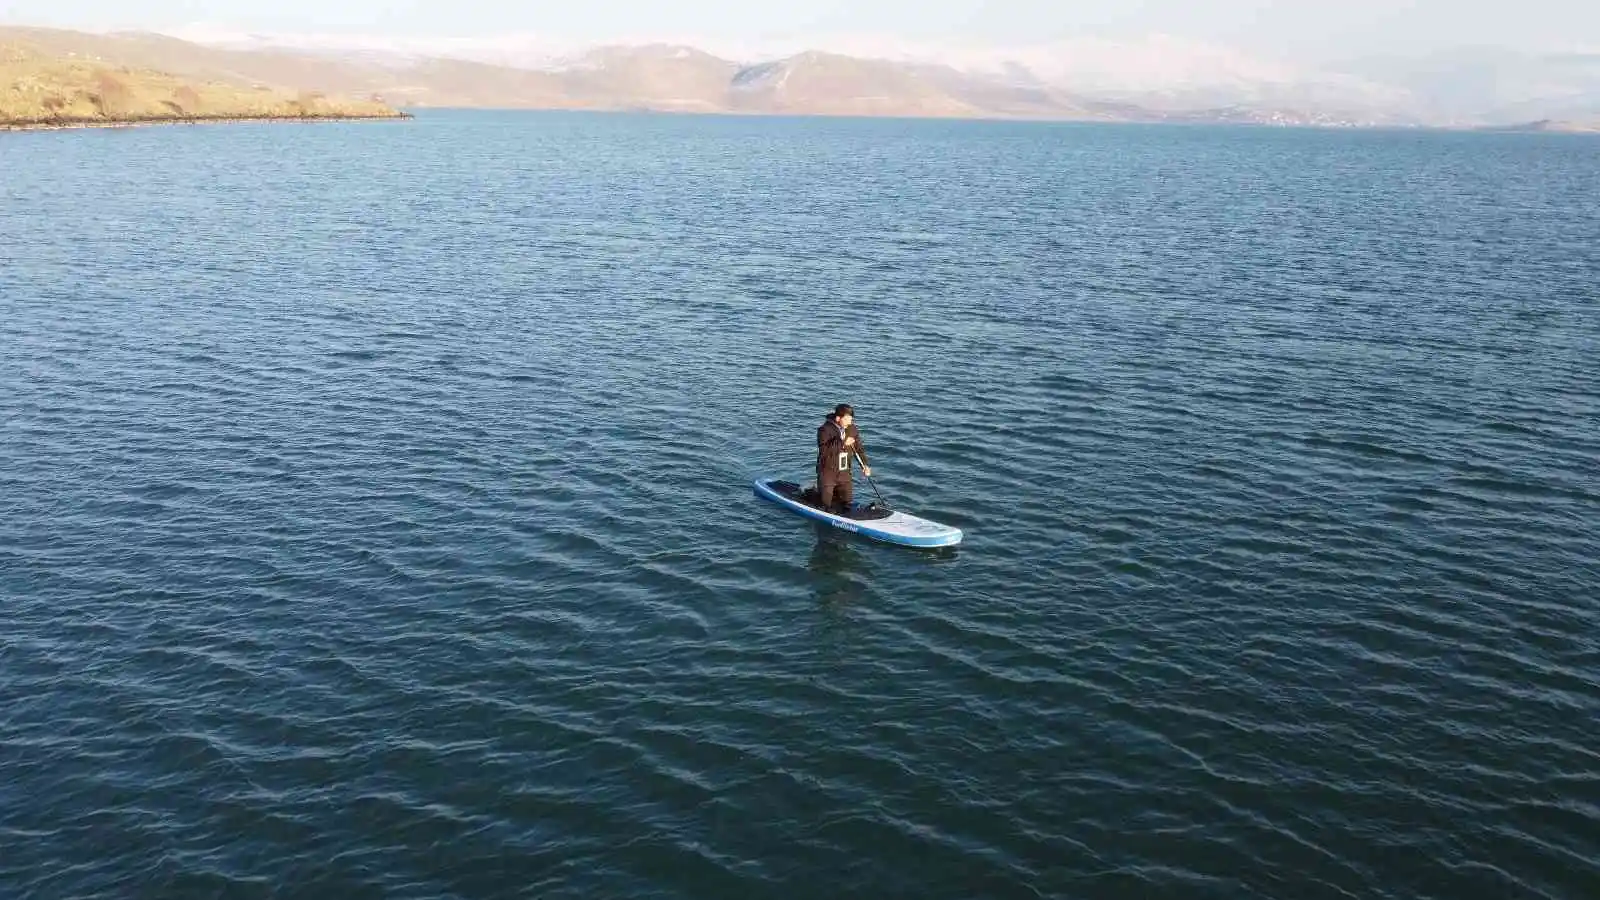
<point x="1297" y="28"/>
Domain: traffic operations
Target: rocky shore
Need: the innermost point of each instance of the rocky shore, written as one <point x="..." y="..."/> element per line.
<point x="64" y="124"/>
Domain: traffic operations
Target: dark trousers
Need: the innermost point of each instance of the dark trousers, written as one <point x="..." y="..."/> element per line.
<point x="834" y="490"/>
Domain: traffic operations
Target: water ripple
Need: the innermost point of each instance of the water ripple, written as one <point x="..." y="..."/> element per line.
<point x="374" y="514"/>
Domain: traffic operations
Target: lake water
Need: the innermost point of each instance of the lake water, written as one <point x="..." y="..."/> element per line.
<point x="375" y="511"/>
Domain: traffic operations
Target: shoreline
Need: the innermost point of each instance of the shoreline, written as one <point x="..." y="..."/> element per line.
<point x="1553" y="128"/>
<point x="1539" y="127"/>
<point x="70" y="124"/>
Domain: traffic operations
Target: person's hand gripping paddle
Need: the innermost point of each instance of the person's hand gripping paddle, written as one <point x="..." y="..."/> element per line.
<point x="866" y="471"/>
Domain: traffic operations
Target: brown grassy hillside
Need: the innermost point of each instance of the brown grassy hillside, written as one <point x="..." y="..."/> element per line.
<point x="159" y="53"/>
<point x="38" y="88"/>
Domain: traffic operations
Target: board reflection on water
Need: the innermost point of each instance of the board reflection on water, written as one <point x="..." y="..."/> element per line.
<point x="843" y="565"/>
<point x="840" y="569"/>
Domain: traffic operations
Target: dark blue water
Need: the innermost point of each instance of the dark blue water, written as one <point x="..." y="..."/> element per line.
<point x="375" y="515"/>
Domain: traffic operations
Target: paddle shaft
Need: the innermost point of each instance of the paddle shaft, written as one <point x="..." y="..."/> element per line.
<point x="874" y="484"/>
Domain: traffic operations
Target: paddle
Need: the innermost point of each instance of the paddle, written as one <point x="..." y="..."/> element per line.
<point x="881" y="498"/>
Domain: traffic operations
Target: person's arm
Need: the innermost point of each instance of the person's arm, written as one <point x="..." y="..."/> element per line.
<point x="829" y="442"/>
<point x="861" y="451"/>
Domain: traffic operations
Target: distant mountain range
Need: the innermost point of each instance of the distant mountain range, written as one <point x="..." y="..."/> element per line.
<point x="1157" y="80"/>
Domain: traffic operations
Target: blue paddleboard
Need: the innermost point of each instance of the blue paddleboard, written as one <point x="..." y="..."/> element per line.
<point x="892" y="526"/>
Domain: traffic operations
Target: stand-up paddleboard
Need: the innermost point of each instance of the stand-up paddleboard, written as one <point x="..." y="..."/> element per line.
<point x="867" y="521"/>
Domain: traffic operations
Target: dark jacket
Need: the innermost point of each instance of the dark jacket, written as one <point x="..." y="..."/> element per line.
<point x="830" y="444"/>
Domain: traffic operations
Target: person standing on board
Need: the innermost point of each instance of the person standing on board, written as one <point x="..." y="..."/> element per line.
<point x="838" y="443"/>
